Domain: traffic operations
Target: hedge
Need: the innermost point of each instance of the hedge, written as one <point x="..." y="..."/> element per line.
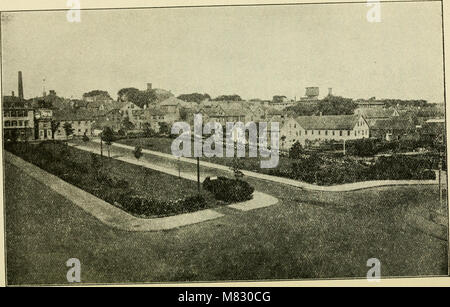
<point x="229" y="190"/>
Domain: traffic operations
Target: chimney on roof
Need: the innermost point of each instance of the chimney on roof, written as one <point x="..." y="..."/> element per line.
<point x="330" y="91"/>
<point x="149" y="86"/>
<point x="20" y="86"/>
<point x="12" y="93"/>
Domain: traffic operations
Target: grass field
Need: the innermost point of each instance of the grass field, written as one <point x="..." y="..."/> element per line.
<point x="307" y="235"/>
<point x="76" y="167"/>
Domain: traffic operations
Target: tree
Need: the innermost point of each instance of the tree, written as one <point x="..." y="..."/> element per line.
<point x="137" y="152"/>
<point x="236" y="168"/>
<point x="228" y="98"/>
<point x="127" y="124"/>
<point x="85" y="138"/>
<point x="68" y="129"/>
<point x="278" y="98"/>
<point x="148" y="131"/>
<point x="194" y="97"/>
<point x="164" y="128"/>
<point x="336" y="105"/>
<point x="94" y="93"/>
<point x="295" y="152"/>
<point x="54" y="126"/>
<point x="108" y="138"/>
<point x="139" y="98"/>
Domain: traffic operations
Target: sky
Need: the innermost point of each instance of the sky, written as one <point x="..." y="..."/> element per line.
<point x="255" y="51"/>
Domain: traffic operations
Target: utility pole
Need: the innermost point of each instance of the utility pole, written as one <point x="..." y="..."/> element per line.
<point x="198" y="175"/>
<point x="440" y="187"/>
<point x="344" y="147"/>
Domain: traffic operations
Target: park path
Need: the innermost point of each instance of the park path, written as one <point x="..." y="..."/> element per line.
<point x="103" y="211"/>
<point x="259" y="200"/>
<point x="299" y="184"/>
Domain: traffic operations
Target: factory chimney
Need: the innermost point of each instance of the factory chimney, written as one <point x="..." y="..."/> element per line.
<point x="330" y="91"/>
<point x="149" y="86"/>
<point x="20" y="86"/>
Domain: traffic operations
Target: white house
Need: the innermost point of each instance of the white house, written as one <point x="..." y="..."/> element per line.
<point x="322" y="128"/>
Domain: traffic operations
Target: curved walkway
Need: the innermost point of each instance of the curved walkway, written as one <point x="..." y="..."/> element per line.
<point x="115" y="217"/>
<point x="303" y="185"/>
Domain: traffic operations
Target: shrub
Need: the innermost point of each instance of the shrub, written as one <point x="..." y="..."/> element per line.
<point x="85" y="138"/>
<point x="137" y="152"/>
<point x="362" y="147"/>
<point x="296" y="151"/>
<point x="148" y="207"/>
<point x="229" y="190"/>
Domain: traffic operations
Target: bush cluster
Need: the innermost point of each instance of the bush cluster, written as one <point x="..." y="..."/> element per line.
<point x="229" y="190"/>
<point x="147" y="207"/>
<point x="56" y="159"/>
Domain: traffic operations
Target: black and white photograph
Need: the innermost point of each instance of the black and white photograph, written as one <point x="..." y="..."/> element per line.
<point x="224" y="143"/>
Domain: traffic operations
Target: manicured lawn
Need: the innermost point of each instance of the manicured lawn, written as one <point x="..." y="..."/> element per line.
<point x="307" y="235"/>
<point x="116" y="179"/>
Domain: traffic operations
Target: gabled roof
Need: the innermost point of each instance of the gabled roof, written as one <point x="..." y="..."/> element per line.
<point x="376" y="112"/>
<point x="152" y="111"/>
<point x="328" y="122"/>
<point x="392" y="123"/>
<point x="70" y="115"/>
<point x="173" y="101"/>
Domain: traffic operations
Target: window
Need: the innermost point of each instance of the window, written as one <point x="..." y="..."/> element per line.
<point x="333" y="132"/>
<point x="326" y="132"/>
<point x="7" y="123"/>
<point x="6" y="114"/>
<point x="26" y="123"/>
<point x="14" y="123"/>
<point x="20" y="123"/>
<point x="348" y="133"/>
<point x="340" y="132"/>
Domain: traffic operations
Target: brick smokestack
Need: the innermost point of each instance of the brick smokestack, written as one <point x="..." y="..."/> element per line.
<point x="20" y="86"/>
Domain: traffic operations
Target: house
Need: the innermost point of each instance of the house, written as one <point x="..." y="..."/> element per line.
<point x="18" y="123"/>
<point x="43" y="123"/>
<point x="171" y="108"/>
<point x="391" y="129"/>
<point x="375" y="117"/>
<point x="128" y="108"/>
<point x="377" y="113"/>
<point x="81" y="121"/>
<point x="313" y="129"/>
<point x="153" y="116"/>
<point x="434" y="129"/>
<point x="111" y="119"/>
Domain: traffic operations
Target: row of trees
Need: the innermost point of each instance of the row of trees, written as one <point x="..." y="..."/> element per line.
<point x="197" y="97"/>
<point x="330" y="105"/>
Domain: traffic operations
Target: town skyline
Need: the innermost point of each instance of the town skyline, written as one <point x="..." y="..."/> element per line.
<point x="239" y="62"/>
